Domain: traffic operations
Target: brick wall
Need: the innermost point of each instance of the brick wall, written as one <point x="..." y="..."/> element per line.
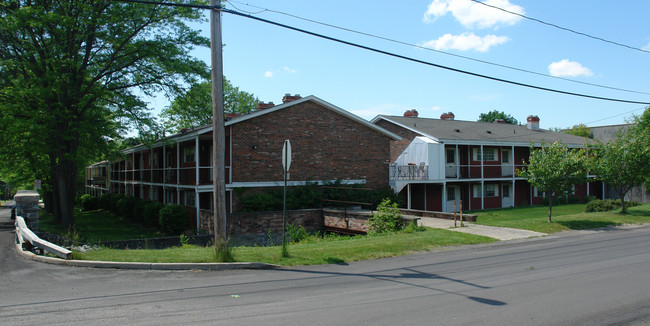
<point x="261" y="222"/>
<point x="397" y="147"/>
<point x="325" y="145"/>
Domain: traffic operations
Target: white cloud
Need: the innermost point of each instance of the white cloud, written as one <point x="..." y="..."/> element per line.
<point x="646" y="48"/>
<point x="289" y="70"/>
<point x="465" y="42"/>
<point x="268" y="74"/>
<point x="474" y="15"/>
<point x="566" y="68"/>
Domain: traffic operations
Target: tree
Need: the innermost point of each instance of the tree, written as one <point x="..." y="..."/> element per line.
<point x="579" y="130"/>
<point x="624" y="163"/>
<point x="194" y="107"/>
<point x="554" y="169"/>
<point x="71" y="73"/>
<point x="494" y="115"/>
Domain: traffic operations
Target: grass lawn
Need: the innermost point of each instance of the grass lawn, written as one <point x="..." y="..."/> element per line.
<point x="96" y="226"/>
<point x="564" y="217"/>
<point x="315" y="251"/>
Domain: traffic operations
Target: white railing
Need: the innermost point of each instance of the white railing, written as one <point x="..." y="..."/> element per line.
<point x="409" y="172"/>
<point x="26" y="236"/>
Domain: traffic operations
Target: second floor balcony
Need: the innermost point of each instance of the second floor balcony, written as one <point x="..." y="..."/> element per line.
<point x="451" y="171"/>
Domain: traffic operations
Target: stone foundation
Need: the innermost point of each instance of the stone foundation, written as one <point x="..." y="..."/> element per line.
<point x="27" y="207"/>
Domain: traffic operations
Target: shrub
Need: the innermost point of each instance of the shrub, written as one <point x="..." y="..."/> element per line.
<point x="112" y="205"/>
<point x="173" y="219"/>
<point x="150" y="213"/>
<point x="387" y="218"/>
<point x="105" y="201"/>
<point x="296" y="233"/>
<point x="88" y="202"/>
<point x="138" y="210"/>
<point x="125" y="207"/>
<point x="601" y="205"/>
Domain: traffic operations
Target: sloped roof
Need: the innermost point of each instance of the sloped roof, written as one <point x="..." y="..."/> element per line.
<point x="607" y="133"/>
<point x="473" y="132"/>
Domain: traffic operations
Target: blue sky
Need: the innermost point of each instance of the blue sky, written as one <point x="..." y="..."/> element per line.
<point x="270" y="61"/>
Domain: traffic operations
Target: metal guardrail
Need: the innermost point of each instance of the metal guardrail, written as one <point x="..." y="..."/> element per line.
<point x="26" y="236"/>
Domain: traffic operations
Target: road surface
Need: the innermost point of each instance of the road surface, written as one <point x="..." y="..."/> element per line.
<point x="597" y="278"/>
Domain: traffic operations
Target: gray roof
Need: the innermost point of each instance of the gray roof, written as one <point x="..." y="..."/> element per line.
<point x="607" y="133"/>
<point x="473" y="132"/>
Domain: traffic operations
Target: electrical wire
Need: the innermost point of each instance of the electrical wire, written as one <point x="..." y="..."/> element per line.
<point x="561" y="28"/>
<point x="428" y="48"/>
<point x="426" y="62"/>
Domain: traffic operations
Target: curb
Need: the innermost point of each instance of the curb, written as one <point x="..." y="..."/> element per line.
<point x="144" y="266"/>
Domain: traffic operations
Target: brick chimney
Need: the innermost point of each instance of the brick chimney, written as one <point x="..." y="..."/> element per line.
<point x="230" y="116"/>
<point x="499" y="121"/>
<point x="413" y="113"/>
<point x="533" y="122"/>
<point x="262" y="105"/>
<point x="289" y="98"/>
<point x="447" y="116"/>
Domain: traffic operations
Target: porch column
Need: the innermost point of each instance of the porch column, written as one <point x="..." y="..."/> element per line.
<point x="408" y="196"/>
<point x="164" y="174"/>
<point x="444" y="196"/>
<point x="457" y="159"/>
<point x="514" y="168"/>
<point x="178" y="172"/>
<point x="198" y="211"/>
<point x="482" y="180"/>
<point x="196" y="159"/>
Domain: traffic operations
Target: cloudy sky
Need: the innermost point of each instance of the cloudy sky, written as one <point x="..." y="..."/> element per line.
<point x="270" y="61"/>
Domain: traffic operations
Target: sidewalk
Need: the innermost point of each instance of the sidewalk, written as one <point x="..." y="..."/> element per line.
<point x="500" y="233"/>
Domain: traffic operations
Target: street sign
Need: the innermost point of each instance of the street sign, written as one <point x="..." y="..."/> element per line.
<point x="286" y="155"/>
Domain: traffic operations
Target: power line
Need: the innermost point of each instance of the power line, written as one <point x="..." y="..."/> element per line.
<point x="430" y="49"/>
<point x="562" y="28"/>
<point x="426" y="62"/>
<point x="236" y="13"/>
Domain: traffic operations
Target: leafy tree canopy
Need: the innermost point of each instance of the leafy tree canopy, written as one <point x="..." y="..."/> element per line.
<point x="194" y="107"/>
<point x="71" y="76"/>
<point x="554" y="169"/>
<point x="494" y="115"/>
<point x="579" y="130"/>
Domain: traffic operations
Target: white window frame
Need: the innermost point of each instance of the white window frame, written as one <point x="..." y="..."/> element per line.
<point x="505" y="186"/>
<point x="451" y="193"/>
<point x="488" y="153"/>
<point x="505" y="156"/>
<point x="188" y="154"/>
<point x="190" y="199"/>
<point x="491" y="190"/>
<point x="477" y="192"/>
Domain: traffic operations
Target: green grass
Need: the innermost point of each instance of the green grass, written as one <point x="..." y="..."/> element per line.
<point x="564" y="217"/>
<point x="326" y="251"/>
<point x="96" y="226"/>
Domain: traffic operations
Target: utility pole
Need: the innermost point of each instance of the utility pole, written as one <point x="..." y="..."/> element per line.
<point x="218" y="132"/>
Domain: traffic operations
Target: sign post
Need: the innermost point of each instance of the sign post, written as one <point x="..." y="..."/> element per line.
<point x="286" y="163"/>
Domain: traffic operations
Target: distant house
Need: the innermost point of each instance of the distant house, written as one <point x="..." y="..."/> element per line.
<point x="442" y="161"/>
<point x="329" y="144"/>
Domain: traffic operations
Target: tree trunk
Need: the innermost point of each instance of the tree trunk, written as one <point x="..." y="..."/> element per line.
<point x="622" y="196"/>
<point x="550" y="207"/>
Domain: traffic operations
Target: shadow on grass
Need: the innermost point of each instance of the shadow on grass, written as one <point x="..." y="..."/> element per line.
<point x="586" y="224"/>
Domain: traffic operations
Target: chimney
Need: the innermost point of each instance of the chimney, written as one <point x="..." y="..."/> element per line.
<point x="230" y="116"/>
<point x="499" y="121"/>
<point x="447" y="116"/>
<point x="413" y="113"/>
<point x="262" y="105"/>
<point x="533" y="122"/>
<point x="289" y="98"/>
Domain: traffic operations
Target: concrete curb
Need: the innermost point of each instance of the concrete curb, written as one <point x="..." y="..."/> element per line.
<point x="144" y="266"/>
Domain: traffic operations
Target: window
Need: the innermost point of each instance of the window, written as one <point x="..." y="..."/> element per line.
<point x="188" y="154"/>
<point x="491" y="190"/>
<point x="537" y="192"/>
<point x="451" y="156"/>
<point x="451" y="193"/>
<point x="477" y="191"/>
<point x="190" y="199"/>
<point x="488" y="153"/>
<point x="506" y="191"/>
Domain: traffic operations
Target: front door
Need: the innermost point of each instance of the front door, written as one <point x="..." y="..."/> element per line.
<point x="453" y="194"/>
<point x="507" y="195"/>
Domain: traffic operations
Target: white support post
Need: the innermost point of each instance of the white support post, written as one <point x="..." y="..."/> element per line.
<point x="408" y="196"/>
<point x="198" y="210"/>
<point x="482" y="180"/>
<point x="178" y="172"/>
<point x="196" y="160"/>
<point x="444" y="196"/>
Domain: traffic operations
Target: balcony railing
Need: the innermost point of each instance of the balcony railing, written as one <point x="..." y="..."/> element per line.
<point x="409" y="172"/>
<point x="182" y="176"/>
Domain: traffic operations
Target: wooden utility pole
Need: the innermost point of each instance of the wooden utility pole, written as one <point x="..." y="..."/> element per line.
<point x="218" y="130"/>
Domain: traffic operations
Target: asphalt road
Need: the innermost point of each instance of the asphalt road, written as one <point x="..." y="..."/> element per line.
<point x="598" y="278"/>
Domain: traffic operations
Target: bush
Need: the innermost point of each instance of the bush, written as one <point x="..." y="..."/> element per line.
<point x="606" y="205"/>
<point x="387" y="218"/>
<point x="125" y="207"/>
<point x="138" y="210"/>
<point x="105" y="201"/>
<point x="173" y="219"/>
<point x="296" y="233"/>
<point x="88" y="202"/>
<point x="150" y="213"/>
<point x="112" y="205"/>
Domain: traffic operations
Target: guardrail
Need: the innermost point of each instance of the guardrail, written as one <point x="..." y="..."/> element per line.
<point x="26" y="237"/>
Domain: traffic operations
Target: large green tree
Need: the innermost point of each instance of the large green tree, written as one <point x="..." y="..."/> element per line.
<point x="496" y="115"/>
<point x="624" y="163"/>
<point x="579" y="130"/>
<point x="194" y="107"/>
<point x="73" y="73"/>
<point x="554" y="169"/>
